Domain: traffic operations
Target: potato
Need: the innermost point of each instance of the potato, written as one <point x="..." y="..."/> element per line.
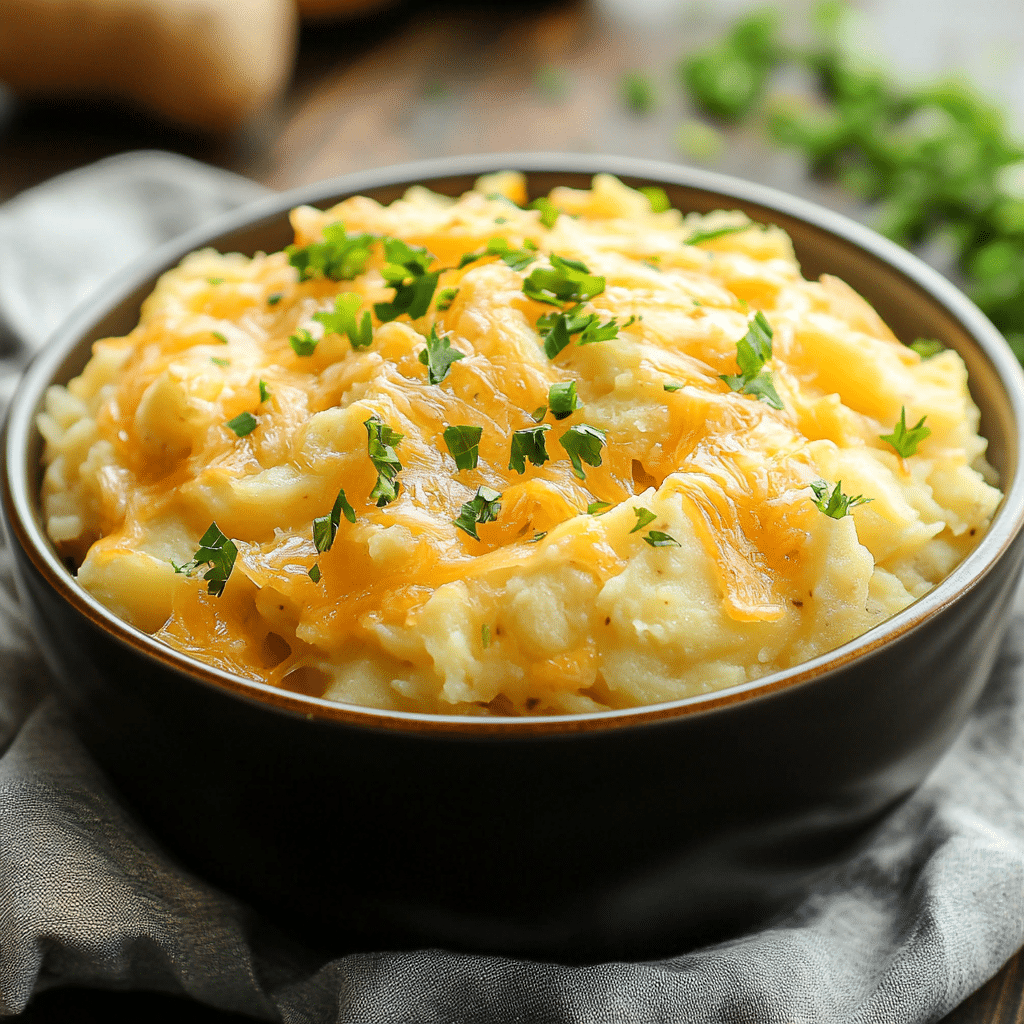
<point x="210" y="64"/>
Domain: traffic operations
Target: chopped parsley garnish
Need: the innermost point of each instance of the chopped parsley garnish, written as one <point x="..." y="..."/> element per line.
<point x="644" y="517"/>
<point x="243" y="424"/>
<point x="314" y="573"/>
<point x="517" y="259"/>
<point x="835" y="504"/>
<point x="220" y="337"/>
<point x="274" y="298"/>
<point x="927" y="348"/>
<point x="562" y="399"/>
<point x="215" y="280"/>
<point x="557" y="329"/>
<point x="264" y="391"/>
<point x="220" y="362"/>
<point x="706" y="236"/>
<point x="905" y="440"/>
<point x="638" y="93"/>
<point x="483" y="508"/>
<point x="528" y="443"/>
<point x="753" y="350"/>
<point x="485" y="635"/>
<point x="325" y="528"/>
<point x="565" y="281"/>
<point x="539" y="413"/>
<point x="548" y="211"/>
<point x="303" y="343"/>
<point x="216" y="551"/>
<point x="671" y="387"/>
<point x="583" y="443"/>
<point x="658" y="198"/>
<point x="464" y="445"/>
<point x="595" y="508"/>
<point x="406" y="271"/>
<point x="339" y="256"/>
<point x="445" y="298"/>
<point x="343" y="320"/>
<point x="438" y="356"/>
<point x="537" y="537"/>
<point x="381" y="442"/>
<point x="657" y="539"/>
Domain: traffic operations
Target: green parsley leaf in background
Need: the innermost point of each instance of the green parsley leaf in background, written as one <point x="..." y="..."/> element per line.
<point x="438" y="356"/>
<point x="753" y="350"/>
<point x="339" y="256"/>
<point x="548" y="211"/>
<point x="583" y="443"/>
<point x="565" y="281"/>
<point x="706" y="236"/>
<point x="638" y="93"/>
<point x="464" y="445"/>
<point x="445" y="298"/>
<point x="835" y="504"/>
<point x="927" y="348"/>
<point x="483" y="508"/>
<point x="343" y="320"/>
<point x="657" y="197"/>
<point x="903" y="439"/>
<point x="528" y="443"/>
<point x="381" y="442"/>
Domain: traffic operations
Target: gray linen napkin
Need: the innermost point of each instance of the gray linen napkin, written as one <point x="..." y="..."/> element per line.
<point x="920" y="916"/>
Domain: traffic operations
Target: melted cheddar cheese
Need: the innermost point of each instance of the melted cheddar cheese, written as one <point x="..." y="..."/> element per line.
<point x="552" y="610"/>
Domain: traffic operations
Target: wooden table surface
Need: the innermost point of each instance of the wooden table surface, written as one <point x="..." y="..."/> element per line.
<point x="425" y="80"/>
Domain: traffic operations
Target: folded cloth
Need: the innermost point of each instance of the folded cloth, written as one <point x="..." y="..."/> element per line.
<point x="918" y="917"/>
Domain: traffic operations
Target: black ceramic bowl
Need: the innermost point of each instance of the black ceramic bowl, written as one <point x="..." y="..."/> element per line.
<point x="615" y="834"/>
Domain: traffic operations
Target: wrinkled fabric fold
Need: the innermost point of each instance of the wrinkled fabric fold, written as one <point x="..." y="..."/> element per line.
<point x="920" y="915"/>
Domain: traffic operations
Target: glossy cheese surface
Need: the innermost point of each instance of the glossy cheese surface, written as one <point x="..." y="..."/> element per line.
<point x="553" y="609"/>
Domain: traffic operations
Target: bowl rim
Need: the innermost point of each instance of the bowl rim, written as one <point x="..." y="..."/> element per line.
<point x="25" y="524"/>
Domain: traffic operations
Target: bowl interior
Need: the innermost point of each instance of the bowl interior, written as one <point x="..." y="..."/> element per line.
<point x="913" y="300"/>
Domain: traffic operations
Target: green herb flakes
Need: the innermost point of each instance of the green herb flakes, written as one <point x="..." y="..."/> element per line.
<point x="753" y="350"/>
<point x="274" y="298"/>
<point x="438" y="356"/>
<point x="644" y="517"/>
<point x="638" y="93"/>
<point x="303" y="343"/>
<point x="657" y="539"/>
<point x="325" y="528"/>
<point x="220" y="337"/>
<point x="539" y="413"/>
<point x="583" y="443"/>
<point x="464" y="445"/>
<point x="903" y="439"/>
<point x="657" y="197"/>
<point x="215" y="280"/>
<point x="314" y="573"/>
<point x="562" y="399"/>
<point x="406" y="271"/>
<point x="528" y="443"/>
<point x="223" y="363"/>
<point x="927" y="348"/>
<point x="485" y="635"/>
<point x="557" y="329"/>
<point x="343" y="320"/>
<point x="517" y="259"/>
<point x="595" y="508"/>
<point x="835" y="504"/>
<point x="264" y="391"/>
<point x="216" y="551"/>
<point x="381" y="442"/>
<point x="671" y="387"/>
<point x="565" y="281"/>
<point x="483" y="508"/>
<point x="537" y="537"/>
<point x="547" y="209"/>
<point x="243" y="424"/>
<point x="445" y="298"/>
<point x="339" y="256"/>
<point x="706" y="236"/>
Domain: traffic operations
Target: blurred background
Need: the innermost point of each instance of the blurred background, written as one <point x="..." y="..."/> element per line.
<point x="907" y="114"/>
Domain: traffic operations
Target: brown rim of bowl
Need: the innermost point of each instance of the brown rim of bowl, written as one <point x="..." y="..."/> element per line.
<point x="20" y="495"/>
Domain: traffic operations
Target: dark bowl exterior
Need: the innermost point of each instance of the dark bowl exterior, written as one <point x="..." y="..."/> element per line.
<point x="624" y="834"/>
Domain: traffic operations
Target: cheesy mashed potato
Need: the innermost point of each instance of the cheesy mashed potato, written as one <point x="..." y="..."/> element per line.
<point x="231" y="479"/>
